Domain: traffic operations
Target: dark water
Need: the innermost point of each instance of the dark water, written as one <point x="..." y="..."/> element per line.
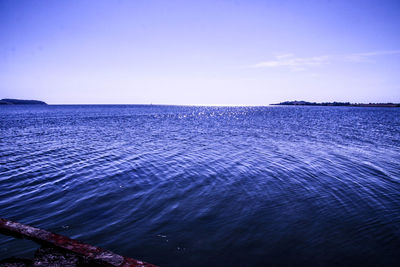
<point x="207" y="186"/>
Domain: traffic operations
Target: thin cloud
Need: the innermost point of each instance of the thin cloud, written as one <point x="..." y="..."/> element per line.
<point x="291" y="61"/>
<point x="299" y="63"/>
<point x="366" y="57"/>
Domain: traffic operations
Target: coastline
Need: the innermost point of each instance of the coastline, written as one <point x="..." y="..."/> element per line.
<point x="338" y="104"/>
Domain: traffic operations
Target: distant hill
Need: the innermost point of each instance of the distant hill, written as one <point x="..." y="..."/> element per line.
<point x="8" y="101"/>
<point x="336" y="104"/>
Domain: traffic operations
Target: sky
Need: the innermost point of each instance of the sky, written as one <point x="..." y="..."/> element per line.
<point x="220" y="52"/>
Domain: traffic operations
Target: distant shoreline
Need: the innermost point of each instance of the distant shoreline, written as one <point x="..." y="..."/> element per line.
<point x="9" y="101"/>
<point x="12" y="102"/>
<point x="338" y="104"/>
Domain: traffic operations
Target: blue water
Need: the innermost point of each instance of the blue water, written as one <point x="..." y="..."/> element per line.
<point x="207" y="186"/>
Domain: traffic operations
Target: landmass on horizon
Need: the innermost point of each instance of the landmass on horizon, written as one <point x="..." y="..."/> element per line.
<point x="9" y="101"/>
<point x="336" y="104"/>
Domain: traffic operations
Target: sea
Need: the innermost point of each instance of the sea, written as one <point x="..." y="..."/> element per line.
<point x="207" y="186"/>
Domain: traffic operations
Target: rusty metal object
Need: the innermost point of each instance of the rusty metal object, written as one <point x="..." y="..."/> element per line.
<point x="100" y="256"/>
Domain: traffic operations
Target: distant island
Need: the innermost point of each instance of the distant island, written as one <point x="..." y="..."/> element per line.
<point x="337" y="104"/>
<point x="8" y="101"/>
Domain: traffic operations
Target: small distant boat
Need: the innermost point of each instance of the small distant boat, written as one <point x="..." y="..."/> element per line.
<point x="88" y="254"/>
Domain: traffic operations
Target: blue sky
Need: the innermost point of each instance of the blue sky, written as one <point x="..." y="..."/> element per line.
<point x="200" y="52"/>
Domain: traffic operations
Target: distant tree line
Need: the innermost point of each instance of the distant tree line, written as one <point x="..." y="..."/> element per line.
<point x="305" y="103"/>
<point x="9" y="101"/>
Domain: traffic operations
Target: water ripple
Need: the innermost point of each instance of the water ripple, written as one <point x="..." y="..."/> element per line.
<point x="237" y="186"/>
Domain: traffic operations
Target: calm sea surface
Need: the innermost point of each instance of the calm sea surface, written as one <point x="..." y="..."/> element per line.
<point x="207" y="186"/>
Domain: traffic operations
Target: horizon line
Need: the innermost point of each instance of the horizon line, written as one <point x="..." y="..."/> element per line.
<point x="209" y="105"/>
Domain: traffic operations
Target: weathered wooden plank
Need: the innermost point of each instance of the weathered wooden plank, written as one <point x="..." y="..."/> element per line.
<point x="99" y="255"/>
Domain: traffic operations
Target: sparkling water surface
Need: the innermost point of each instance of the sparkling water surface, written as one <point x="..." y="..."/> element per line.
<point x="207" y="186"/>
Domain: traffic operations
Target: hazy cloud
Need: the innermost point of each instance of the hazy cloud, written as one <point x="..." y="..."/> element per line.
<point x="290" y="60"/>
<point x="366" y="57"/>
<point x="301" y="63"/>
